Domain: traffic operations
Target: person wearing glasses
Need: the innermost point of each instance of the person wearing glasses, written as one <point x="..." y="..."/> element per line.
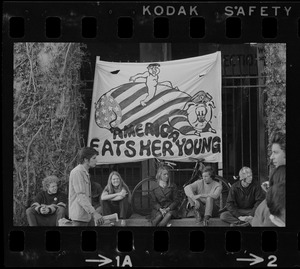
<point x="243" y="199"/>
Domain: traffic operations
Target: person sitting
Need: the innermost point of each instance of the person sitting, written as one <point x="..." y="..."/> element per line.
<point x="48" y="206"/>
<point x="276" y="204"/>
<point x="243" y="199"/>
<point x="164" y="198"/>
<point x="116" y="197"/>
<point x="96" y="196"/>
<point x="202" y="195"/>
<point x="262" y="213"/>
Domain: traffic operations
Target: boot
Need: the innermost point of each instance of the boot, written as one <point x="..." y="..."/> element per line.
<point x="206" y="220"/>
<point x="165" y="220"/>
<point x="197" y="216"/>
<point x="156" y="220"/>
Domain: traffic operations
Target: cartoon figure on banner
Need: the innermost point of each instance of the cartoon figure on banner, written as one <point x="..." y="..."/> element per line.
<point x="151" y="77"/>
<point x="125" y="106"/>
<point x="199" y="109"/>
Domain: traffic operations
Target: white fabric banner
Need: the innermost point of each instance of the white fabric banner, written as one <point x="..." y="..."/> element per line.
<point x="168" y="110"/>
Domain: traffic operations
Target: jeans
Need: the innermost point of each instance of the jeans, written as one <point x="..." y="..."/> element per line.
<point x="36" y="219"/>
<point x="208" y="206"/>
<point x="122" y="208"/>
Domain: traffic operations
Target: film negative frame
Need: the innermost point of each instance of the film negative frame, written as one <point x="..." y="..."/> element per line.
<point x="145" y="246"/>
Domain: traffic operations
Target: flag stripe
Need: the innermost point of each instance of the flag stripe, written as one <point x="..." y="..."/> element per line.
<point x="127" y="101"/>
<point x="158" y="110"/>
<point x="138" y="108"/>
<point x="187" y="129"/>
<point x="161" y="120"/>
<point x="121" y="89"/>
<point x="177" y="119"/>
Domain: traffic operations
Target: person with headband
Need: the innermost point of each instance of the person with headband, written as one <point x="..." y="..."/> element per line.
<point x="243" y="199"/>
<point x="164" y="199"/>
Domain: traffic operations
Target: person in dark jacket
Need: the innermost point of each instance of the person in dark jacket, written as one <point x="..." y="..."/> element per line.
<point x="262" y="213"/>
<point x="164" y="198"/>
<point x="243" y="199"/>
<point x="48" y="206"/>
<point x="276" y="204"/>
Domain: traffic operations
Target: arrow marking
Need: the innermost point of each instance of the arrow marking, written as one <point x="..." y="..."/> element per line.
<point x="104" y="260"/>
<point x="253" y="260"/>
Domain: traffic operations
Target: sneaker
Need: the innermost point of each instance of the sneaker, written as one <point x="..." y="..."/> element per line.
<point x="240" y="224"/>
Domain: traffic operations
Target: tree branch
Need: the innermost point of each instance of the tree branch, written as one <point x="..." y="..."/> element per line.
<point x="65" y="62"/>
<point x="26" y="161"/>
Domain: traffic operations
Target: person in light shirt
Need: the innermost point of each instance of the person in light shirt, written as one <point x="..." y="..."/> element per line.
<point x="81" y="211"/>
<point x="202" y="195"/>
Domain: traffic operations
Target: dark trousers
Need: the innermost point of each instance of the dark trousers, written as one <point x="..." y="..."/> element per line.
<point x="122" y="208"/>
<point x="36" y="219"/>
<point x="159" y="220"/>
<point x="229" y="218"/>
<point x="83" y="223"/>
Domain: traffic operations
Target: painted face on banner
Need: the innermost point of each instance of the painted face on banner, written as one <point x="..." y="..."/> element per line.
<point x="278" y="155"/>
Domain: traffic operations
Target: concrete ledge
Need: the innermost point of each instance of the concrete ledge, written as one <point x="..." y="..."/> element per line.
<point x="144" y="221"/>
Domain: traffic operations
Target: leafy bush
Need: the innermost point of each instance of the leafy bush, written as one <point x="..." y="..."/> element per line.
<point x="47" y="112"/>
<point x="275" y="72"/>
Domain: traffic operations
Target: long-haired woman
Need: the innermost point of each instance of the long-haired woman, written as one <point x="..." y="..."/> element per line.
<point x="116" y="197"/>
<point x="164" y="197"/>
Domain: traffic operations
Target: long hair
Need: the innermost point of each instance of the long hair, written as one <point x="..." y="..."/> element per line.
<point x="122" y="185"/>
<point x="159" y="173"/>
<point x="278" y="175"/>
<point x="276" y="198"/>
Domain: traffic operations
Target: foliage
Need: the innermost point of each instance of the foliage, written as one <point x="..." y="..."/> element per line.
<point x="275" y="72"/>
<point x="47" y="112"/>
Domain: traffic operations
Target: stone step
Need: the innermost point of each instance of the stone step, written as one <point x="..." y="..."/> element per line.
<point x="141" y="221"/>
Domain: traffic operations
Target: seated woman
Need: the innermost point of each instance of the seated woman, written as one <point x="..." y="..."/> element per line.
<point x="164" y="197"/>
<point x="116" y="197"/>
<point x="48" y="206"/>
